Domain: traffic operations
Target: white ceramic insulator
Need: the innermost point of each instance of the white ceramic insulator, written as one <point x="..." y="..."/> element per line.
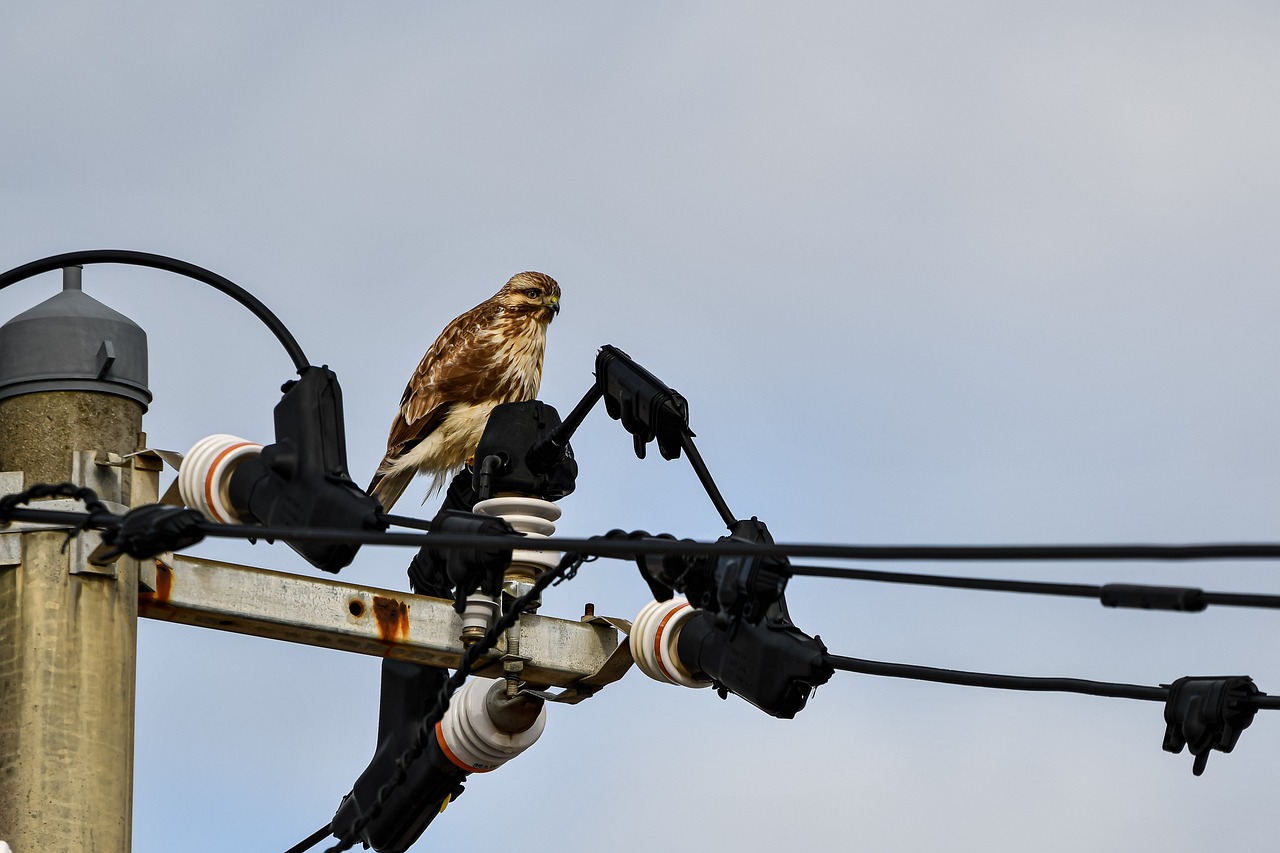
<point x="480" y="613"/>
<point x="471" y="740"/>
<point x="653" y="642"/>
<point x="206" y="473"/>
<point x="533" y="517"/>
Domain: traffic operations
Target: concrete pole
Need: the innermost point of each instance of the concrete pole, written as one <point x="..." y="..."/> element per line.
<point x="67" y="646"/>
<point x="72" y="394"/>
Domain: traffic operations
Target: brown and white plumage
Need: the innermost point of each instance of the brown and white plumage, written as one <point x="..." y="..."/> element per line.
<point x="490" y="355"/>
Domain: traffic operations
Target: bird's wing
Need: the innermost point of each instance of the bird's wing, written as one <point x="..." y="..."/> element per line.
<point x="458" y="368"/>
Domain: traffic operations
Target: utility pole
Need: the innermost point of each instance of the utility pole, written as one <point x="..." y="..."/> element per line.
<point x="73" y="377"/>
<point x="73" y="389"/>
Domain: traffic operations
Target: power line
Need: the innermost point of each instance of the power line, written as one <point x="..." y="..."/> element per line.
<point x="1186" y="599"/>
<point x="1020" y="682"/>
<point x="1001" y="682"/>
<point x="617" y="544"/>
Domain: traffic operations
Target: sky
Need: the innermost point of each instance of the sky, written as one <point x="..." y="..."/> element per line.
<point x="926" y="273"/>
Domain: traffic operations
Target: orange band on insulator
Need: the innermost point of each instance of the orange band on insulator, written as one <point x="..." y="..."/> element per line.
<point x="208" y="480"/>
<point x="657" y="640"/>
<point x="455" y="760"/>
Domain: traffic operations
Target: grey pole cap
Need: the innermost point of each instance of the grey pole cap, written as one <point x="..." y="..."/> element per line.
<point x="72" y="342"/>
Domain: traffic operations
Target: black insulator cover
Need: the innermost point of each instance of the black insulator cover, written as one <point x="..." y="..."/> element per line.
<point x="772" y="664"/>
<point x="505" y="461"/>
<point x="301" y="480"/>
<point x="408" y="691"/>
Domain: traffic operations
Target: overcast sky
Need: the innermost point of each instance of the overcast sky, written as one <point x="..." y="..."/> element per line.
<point x="926" y="273"/>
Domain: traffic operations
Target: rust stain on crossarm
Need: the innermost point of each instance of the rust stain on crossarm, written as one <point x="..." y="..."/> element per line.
<point x="164" y="585"/>
<point x="392" y="617"/>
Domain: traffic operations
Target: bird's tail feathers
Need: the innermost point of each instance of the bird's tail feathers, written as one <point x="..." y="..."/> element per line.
<point x="392" y="479"/>
<point x="388" y="486"/>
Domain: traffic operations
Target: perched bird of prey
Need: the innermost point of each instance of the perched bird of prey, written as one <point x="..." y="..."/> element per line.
<point x="490" y="355"/>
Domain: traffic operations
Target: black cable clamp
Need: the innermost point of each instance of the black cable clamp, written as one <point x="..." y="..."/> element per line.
<point x="149" y="531"/>
<point x="1205" y="714"/>
<point x="471" y="569"/>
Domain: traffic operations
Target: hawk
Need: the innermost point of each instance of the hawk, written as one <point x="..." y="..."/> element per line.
<point x="490" y="355"/>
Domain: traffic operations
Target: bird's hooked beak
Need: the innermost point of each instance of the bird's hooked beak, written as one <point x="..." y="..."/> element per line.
<point x="553" y="305"/>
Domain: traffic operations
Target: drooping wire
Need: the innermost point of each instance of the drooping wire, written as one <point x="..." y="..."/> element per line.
<point x="1018" y="682"/>
<point x="1003" y="682"/>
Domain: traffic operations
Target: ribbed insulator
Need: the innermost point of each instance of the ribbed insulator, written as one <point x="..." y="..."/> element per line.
<point x="653" y="642"/>
<point x="533" y="517"/>
<point x="468" y="736"/>
<point x="206" y="473"/>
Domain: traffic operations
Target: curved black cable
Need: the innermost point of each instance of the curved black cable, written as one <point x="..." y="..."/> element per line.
<point x="173" y="265"/>
<point x="1142" y="596"/>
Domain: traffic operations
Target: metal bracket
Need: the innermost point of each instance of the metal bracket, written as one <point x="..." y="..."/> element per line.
<point x="153" y="459"/>
<point x="104" y="473"/>
<point x="105" y="477"/>
<point x="614" y="667"/>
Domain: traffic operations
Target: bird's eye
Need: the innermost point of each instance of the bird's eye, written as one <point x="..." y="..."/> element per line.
<point x="532" y="293"/>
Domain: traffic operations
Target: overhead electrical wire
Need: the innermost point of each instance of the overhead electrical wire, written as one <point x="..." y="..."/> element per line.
<point x="1189" y="599"/>
<point x="1019" y="682"/>
<point x="623" y="545"/>
<point x="626" y="548"/>
<point x="1175" y="598"/>
<point x="619" y="544"/>
<point x="1003" y="682"/>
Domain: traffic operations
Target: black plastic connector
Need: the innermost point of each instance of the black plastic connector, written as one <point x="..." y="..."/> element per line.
<point x="150" y="530"/>
<point x="515" y="454"/>
<point x="647" y="408"/>
<point x="301" y="480"/>
<point x="742" y="638"/>
<point x="428" y="569"/>
<point x="773" y="665"/>
<point x="1204" y="714"/>
<point x="747" y="586"/>
<point x="470" y="570"/>
<point x="1182" y="599"/>
<point x="734" y="586"/>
